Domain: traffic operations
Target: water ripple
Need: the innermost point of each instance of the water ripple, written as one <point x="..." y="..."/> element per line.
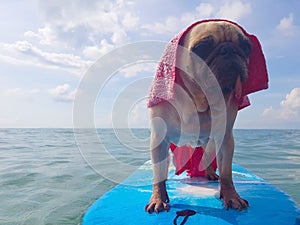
<point x="45" y="180"/>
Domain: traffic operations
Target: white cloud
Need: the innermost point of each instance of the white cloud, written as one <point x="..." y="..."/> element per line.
<point x="59" y="59"/>
<point x="73" y="34"/>
<point x="95" y="51"/>
<point x="292" y="100"/>
<point x="173" y="24"/>
<point x="286" y="26"/>
<point x="205" y="10"/>
<point x="25" y="53"/>
<point x="289" y="109"/>
<point x="94" y="28"/>
<point x="139" y="116"/>
<point x="86" y="23"/>
<point x="284" y="39"/>
<point x="62" y="93"/>
<point x="169" y="25"/>
<point x="136" y="69"/>
<point x="130" y="21"/>
<point x="232" y="10"/>
<point x="46" y="35"/>
<point x="20" y="62"/>
<point x="119" y="37"/>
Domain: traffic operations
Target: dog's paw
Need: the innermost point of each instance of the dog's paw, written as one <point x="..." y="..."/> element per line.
<point x="158" y="202"/>
<point x="211" y="174"/>
<point x="156" y="206"/>
<point x="231" y="199"/>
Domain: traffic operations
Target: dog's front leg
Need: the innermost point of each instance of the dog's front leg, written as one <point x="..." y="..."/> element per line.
<point x="231" y="198"/>
<point x="159" y="147"/>
<point x="208" y="157"/>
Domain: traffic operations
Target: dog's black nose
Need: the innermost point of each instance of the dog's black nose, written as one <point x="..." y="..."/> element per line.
<point x="227" y="50"/>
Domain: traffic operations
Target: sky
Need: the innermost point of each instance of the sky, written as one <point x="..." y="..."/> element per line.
<point x="48" y="47"/>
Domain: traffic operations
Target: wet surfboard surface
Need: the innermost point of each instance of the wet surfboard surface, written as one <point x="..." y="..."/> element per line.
<point x="193" y="201"/>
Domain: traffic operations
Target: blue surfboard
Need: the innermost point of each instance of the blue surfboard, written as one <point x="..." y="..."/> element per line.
<point x="193" y="201"/>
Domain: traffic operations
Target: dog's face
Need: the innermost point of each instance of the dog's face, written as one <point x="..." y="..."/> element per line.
<point x="225" y="49"/>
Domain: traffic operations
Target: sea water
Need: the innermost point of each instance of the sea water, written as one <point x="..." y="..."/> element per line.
<point x="51" y="176"/>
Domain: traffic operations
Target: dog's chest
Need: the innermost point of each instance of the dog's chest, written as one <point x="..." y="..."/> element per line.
<point x="192" y="139"/>
<point x="195" y="131"/>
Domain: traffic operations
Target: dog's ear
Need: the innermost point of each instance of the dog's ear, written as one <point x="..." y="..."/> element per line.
<point x="245" y="45"/>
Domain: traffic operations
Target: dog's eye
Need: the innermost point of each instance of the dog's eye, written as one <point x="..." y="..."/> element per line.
<point x="204" y="47"/>
<point x="245" y="45"/>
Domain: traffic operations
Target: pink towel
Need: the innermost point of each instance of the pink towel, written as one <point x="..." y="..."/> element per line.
<point x="162" y="88"/>
<point x="188" y="159"/>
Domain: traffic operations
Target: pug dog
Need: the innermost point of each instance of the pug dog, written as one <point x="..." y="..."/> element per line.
<point x="213" y="66"/>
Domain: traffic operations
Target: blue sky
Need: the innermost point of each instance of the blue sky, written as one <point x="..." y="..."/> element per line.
<point x="46" y="47"/>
